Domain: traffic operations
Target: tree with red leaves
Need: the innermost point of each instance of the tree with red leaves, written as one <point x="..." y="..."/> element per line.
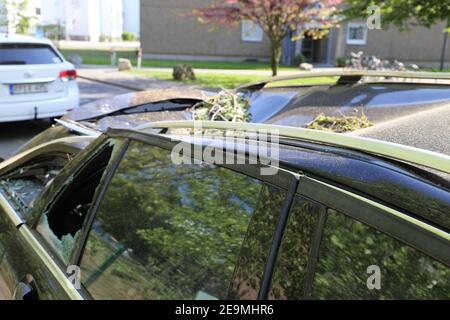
<point x="275" y="17"/>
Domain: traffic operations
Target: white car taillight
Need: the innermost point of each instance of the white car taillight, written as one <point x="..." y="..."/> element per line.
<point x="68" y="75"/>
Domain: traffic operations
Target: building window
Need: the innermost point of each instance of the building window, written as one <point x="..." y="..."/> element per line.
<point x="38" y="11"/>
<point x="251" y="32"/>
<point x="357" y="33"/>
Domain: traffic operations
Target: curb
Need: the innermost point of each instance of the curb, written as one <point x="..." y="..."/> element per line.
<point x="115" y="84"/>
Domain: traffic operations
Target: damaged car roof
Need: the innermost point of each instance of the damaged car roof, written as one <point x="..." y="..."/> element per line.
<point x="104" y="107"/>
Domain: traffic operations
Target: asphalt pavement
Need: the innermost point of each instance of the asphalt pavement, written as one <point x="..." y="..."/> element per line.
<point x="13" y="135"/>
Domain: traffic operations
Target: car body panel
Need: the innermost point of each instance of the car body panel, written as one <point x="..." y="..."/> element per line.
<point x="414" y="208"/>
<point x="114" y="104"/>
<point x="400" y="186"/>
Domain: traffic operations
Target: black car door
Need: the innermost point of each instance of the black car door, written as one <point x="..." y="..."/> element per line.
<point x="22" y="181"/>
<point x="168" y="231"/>
<point x="358" y="249"/>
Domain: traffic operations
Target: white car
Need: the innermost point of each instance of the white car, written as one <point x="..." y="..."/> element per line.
<point x="36" y="81"/>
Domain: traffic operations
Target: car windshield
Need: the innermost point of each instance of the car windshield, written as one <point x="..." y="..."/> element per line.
<point x="24" y="54"/>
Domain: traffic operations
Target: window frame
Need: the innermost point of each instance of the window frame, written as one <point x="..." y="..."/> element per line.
<point x="399" y="226"/>
<point x="20" y="160"/>
<point x="285" y="180"/>
<point x="358" y="42"/>
<point x="248" y="35"/>
<point x="52" y="194"/>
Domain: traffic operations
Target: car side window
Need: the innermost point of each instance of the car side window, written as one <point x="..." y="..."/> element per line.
<point x="248" y="276"/>
<point x="166" y="231"/>
<point x="61" y="223"/>
<point x="24" y="184"/>
<point x="289" y="277"/>
<point x="359" y="262"/>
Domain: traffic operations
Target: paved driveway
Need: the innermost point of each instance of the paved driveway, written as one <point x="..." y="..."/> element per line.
<point x="13" y="135"/>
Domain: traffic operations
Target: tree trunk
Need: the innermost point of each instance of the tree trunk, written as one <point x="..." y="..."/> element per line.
<point x="444" y="47"/>
<point x="275" y="56"/>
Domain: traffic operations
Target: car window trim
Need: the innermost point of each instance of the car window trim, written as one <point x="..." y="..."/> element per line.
<point x="398" y="225"/>
<point x="41" y="249"/>
<point x="33" y="226"/>
<point x="281" y="179"/>
<point x="277" y="239"/>
<point x="37" y="212"/>
<point x="313" y="257"/>
<point x="290" y="185"/>
<point x="59" y="146"/>
<point x="97" y="200"/>
<point x="10" y="211"/>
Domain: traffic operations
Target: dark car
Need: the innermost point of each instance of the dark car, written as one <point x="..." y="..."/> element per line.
<point x="380" y="95"/>
<point x="338" y="217"/>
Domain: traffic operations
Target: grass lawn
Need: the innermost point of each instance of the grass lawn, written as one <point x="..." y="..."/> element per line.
<point x="102" y="57"/>
<point x="227" y="81"/>
<point x="428" y="69"/>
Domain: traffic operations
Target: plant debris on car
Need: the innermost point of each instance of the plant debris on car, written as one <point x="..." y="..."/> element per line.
<point x="340" y="124"/>
<point x="225" y="106"/>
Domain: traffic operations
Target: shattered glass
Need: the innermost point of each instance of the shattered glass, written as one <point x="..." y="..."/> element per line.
<point x="63" y="247"/>
<point x="23" y="185"/>
<point x="22" y="191"/>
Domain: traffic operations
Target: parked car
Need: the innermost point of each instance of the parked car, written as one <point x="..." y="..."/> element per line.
<point x="36" y="81"/>
<point x="335" y="215"/>
<point x="282" y="101"/>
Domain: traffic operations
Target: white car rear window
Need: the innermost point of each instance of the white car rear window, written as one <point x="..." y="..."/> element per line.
<point x="23" y="54"/>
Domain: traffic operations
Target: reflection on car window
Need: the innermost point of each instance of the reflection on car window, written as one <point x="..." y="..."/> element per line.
<point x="168" y="232"/>
<point x="25" y="54"/>
<point x="255" y="251"/>
<point x="349" y="248"/>
<point x="291" y="268"/>
<point x="26" y="183"/>
<point x="61" y="225"/>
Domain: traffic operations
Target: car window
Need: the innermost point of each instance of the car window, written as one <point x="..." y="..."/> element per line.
<point x="249" y="273"/>
<point x="22" y="54"/>
<point x="61" y="223"/>
<point x="288" y="280"/>
<point x="166" y="231"/>
<point x="24" y="184"/>
<point x="358" y="262"/>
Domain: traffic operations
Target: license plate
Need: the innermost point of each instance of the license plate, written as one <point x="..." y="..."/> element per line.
<point x="28" y="88"/>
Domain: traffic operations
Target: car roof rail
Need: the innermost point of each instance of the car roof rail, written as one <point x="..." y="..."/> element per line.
<point x="346" y="75"/>
<point x="78" y="128"/>
<point x="429" y="159"/>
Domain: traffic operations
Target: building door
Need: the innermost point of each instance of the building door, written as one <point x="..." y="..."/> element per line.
<point x="313" y="49"/>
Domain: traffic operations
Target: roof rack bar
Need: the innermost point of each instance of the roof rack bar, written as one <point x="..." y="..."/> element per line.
<point x="390" y="150"/>
<point x="346" y="73"/>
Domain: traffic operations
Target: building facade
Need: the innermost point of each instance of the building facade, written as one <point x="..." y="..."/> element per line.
<point x="9" y="14"/>
<point x="89" y="20"/>
<point x="167" y="32"/>
<point x="131" y="16"/>
<point x="420" y="45"/>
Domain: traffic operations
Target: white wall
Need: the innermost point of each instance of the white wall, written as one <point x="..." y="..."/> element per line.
<point x="9" y="14"/>
<point x="52" y="12"/>
<point x="132" y="16"/>
<point x="111" y="18"/>
<point x="88" y="19"/>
